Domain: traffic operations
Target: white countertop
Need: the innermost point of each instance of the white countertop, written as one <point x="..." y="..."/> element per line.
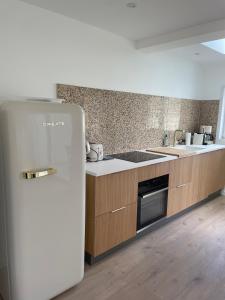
<point x="117" y="165"/>
<point x="105" y="167"/>
<point x="204" y="148"/>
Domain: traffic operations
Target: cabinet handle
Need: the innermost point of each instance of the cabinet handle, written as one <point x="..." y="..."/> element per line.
<point x="181" y="185"/>
<point x="118" y="209"/>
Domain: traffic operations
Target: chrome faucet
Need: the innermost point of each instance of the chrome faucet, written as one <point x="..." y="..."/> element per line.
<point x="175" y="136"/>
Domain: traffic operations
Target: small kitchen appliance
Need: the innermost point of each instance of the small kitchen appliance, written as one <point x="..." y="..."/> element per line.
<point x="95" y="153"/>
<point x="198" y="138"/>
<point x="206" y="129"/>
<point x="208" y="139"/>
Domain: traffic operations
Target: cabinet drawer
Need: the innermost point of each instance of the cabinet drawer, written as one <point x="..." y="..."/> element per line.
<point x="145" y="173"/>
<point x="162" y="169"/>
<point x="115" y="227"/>
<point x="180" y="171"/>
<point x="179" y="198"/>
<point x="115" y="190"/>
<point x="152" y="171"/>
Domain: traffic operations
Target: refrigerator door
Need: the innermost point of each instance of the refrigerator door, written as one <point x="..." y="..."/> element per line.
<point x="45" y="210"/>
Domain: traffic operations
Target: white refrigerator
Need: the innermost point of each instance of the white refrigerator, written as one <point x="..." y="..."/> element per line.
<point x="42" y="199"/>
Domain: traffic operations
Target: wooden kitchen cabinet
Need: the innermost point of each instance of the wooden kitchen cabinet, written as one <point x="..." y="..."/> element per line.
<point x="180" y="188"/>
<point x="111" y="200"/>
<point x="111" y="210"/>
<point x="208" y="175"/>
<point x="179" y="198"/>
<point x="193" y="180"/>
<point x="180" y="171"/>
<point x="200" y="177"/>
<point x="153" y="171"/>
<point x="216" y="171"/>
<point x="115" y="227"/>
<point x="162" y="169"/>
<point x="115" y="190"/>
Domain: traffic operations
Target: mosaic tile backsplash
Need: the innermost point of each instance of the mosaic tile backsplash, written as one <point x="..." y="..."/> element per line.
<point x="209" y="114"/>
<point x="124" y="121"/>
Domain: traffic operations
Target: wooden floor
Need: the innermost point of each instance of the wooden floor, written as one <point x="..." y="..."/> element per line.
<point x="184" y="260"/>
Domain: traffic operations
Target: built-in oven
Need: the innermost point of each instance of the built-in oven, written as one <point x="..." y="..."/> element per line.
<point x="152" y="201"/>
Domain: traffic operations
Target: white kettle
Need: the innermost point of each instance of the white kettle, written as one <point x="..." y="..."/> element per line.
<point x="96" y="152"/>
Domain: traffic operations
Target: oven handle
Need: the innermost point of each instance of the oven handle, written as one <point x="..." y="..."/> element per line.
<point x="155" y="193"/>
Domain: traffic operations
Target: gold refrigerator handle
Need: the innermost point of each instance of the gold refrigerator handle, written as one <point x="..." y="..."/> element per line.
<point x="32" y="174"/>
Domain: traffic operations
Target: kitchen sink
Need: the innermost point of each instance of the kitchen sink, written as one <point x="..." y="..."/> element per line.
<point x="189" y="148"/>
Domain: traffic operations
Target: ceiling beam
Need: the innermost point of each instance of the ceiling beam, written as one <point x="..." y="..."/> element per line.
<point x="189" y="36"/>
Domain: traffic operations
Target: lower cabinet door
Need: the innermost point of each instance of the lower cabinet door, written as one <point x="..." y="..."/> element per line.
<point x="179" y="198"/>
<point x="216" y="177"/>
<point x="180" y="171"/>
<point x="115" y="227"/>
<point x="201" y="182"/>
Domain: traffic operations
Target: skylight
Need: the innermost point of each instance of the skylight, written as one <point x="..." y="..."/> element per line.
<point x="217" y="45"/>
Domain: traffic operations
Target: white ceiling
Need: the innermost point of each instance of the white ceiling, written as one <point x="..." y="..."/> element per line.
<point x="178" y="26"/>
<point x="151" y="18"/>
<point x="198" y="53"/>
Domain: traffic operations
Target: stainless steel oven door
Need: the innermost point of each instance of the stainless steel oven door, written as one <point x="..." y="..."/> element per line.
<point x="151" y="207"/>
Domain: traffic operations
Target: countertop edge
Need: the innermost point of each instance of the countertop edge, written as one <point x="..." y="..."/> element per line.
<point x="126" y="166"/>
<point x="102" y="168"/>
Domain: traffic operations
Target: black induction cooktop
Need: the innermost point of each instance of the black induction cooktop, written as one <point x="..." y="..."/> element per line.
<point x="136" y="156"/>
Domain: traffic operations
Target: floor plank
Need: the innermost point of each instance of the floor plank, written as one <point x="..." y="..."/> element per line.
<point x="183" y="260"/>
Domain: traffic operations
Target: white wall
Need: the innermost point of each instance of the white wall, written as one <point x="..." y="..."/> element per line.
<point x="39" y="49"/>
<point x="214" y="80"/>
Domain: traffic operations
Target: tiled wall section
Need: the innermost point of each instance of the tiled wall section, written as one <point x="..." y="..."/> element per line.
<point x="209" y="114"/>
<point x="126" y="121"/>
